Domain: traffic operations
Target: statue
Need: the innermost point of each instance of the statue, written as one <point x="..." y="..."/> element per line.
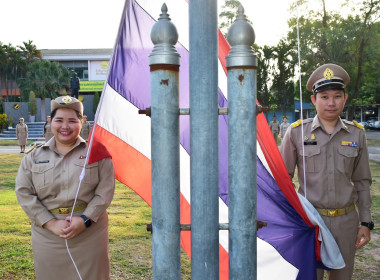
<point x="74" y="85"/>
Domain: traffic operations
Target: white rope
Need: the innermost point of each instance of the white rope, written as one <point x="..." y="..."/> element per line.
<point x="301" y="101"/>
<point x="93" y="129"/>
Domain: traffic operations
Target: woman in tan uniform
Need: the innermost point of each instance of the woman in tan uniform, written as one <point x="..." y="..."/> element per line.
<point x="86" y="127"/>
<point x="47" y="129"/>
<point x="22" y="134"/>
<point x="46" y="188"/>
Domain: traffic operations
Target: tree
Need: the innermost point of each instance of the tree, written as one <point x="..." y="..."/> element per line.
<point x="13" y="63"/>
<point x="47" y="79"/>
<point x="327" y="37"/>
<point x="10" y="67"/>
<point x="30" y="52"/>
<point x="283" y="85"/>
<point x="228" y="15"/>
<point x="264" y="72"/>
<point x="370" y="13"/>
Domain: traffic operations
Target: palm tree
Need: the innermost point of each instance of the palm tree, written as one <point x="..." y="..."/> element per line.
<point x="46" y="79"/>
<point x="11" y="64"/>
<point x="30" y="51"/>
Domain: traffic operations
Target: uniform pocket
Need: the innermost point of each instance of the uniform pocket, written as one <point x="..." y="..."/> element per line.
<point x="313" y="158"/>
<point x="42" y="175"/>
<point x="91" y="175"/>
<point x="346" y="159"/>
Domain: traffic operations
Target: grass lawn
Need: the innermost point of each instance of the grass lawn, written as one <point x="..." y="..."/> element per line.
<point x="130" y="242"/>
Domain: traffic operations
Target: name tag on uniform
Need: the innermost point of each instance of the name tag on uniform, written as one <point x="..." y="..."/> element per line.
<point x="310" y="143"/>
<point x="349" y="144"/>
<point x="42" y="161"/>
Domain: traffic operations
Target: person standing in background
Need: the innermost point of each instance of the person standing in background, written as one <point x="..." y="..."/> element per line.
<point x="275" y="128"/>
<point x="47" y="129"/>
<point x="284" y="126"/>
<point x="85" y="131"/>
<point x="22" y="134"/>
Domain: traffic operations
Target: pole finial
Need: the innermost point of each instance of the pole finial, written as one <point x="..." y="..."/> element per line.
<point x="241" y="37"/>
<point x="164" y="36"/>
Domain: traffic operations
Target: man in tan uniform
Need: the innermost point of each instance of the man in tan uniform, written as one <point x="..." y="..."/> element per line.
<point x="284" y="126"/>
<point x="336" y="177"/>
<point x="275" y="128"/>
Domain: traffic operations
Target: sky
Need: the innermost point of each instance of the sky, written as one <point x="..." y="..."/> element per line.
<point x="78" y="24"/>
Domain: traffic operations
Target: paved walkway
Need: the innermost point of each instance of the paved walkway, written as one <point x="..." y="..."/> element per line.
<point x="9" y="149"/>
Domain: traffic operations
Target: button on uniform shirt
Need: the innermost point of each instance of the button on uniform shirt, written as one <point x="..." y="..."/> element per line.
<point x="337" y="164"/>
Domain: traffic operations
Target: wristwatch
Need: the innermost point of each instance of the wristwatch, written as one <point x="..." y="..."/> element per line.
<point x="87" y="221"/>
<point x="369" y="225"/>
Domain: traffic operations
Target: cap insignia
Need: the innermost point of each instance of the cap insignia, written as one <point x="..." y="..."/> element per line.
<point x="328" y="74"/>
<point x="67" y="100"/>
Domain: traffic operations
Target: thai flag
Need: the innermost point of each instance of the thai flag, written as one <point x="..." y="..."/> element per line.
<point x="286" y="247"/>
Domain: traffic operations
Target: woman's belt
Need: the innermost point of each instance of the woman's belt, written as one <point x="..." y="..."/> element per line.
<point x="336" y="212"/>
<point x="68" y="210"/>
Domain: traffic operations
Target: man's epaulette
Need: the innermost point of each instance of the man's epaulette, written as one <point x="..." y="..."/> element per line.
<point x="297" y="123"/>
<point x="354" y="123"/>
<point x="34" y="147"/>
<point x="358" y="124"/>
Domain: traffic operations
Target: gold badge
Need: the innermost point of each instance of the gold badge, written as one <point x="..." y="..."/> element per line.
<point x="67" y="100"/>
<point x="328" y="74"/>
<point x="312" y="137"/>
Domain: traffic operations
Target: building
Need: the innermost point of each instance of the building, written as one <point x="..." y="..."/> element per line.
<point x="91" y="65"/>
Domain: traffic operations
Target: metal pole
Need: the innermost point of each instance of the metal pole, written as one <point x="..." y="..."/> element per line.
<point x="204" y="139"/>
<point x="241" y="66"/>
<point x="164" y="65"/>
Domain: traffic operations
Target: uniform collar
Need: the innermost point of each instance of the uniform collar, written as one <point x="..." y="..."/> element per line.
<point x="51" y="143"/>
<point x="339" y="125"/>
<point x="316" y="123"/>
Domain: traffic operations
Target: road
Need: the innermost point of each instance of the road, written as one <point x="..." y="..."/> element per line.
<point x="374" y="152"/>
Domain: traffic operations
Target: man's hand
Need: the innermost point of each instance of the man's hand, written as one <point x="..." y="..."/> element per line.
<point x="76" y="226"/>
<point x="56" y="226"/>
<point x="363" y="237"/>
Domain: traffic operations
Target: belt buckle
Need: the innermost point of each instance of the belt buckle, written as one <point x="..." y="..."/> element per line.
<point x="63" y="210"/>
<point x="332" y="212"/>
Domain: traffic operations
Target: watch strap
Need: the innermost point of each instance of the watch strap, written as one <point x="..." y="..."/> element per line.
<point x="369" y="225"/>
<point x="87" y="221"/>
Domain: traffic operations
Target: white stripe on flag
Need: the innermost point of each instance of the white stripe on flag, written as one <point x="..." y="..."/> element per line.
<point x="120" y="117"/>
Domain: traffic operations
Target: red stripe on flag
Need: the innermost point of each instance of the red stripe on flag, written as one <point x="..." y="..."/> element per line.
<point x="131" y="167"/>
<point x="134" y="170"/>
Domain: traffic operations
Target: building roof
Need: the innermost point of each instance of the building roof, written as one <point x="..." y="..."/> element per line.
<point x="76" y="54"/>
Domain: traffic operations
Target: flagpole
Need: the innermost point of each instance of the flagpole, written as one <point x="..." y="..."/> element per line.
<point x="164" y="64"/>
<point x="204" y="139"/>
<point x="241" y="72"/>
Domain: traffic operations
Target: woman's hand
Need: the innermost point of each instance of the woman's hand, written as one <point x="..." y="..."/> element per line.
<point x="56" y="226"/>
<point x="76" y="226"/>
